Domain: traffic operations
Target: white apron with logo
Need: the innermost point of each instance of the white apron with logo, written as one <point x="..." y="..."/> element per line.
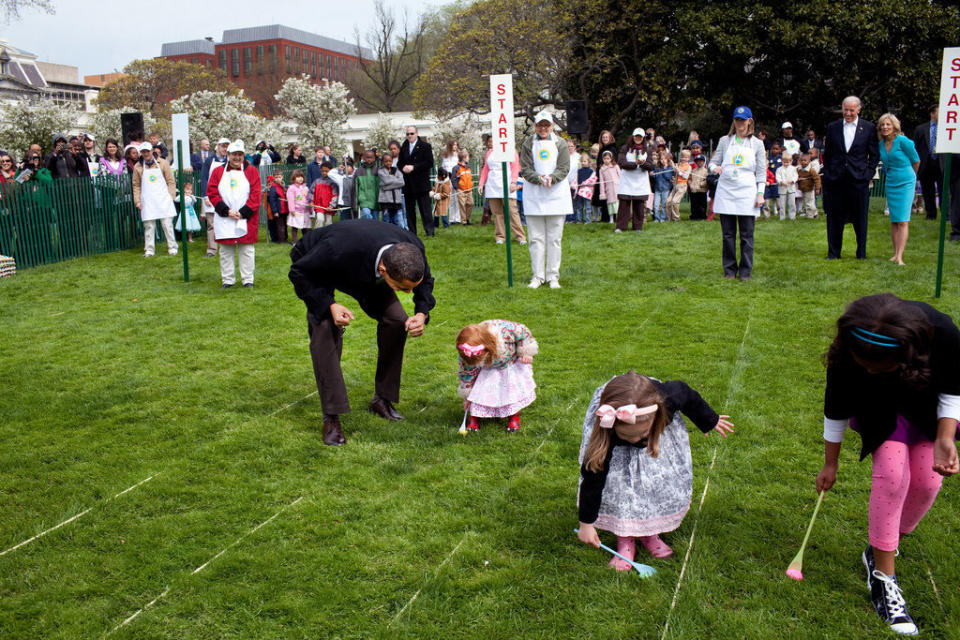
<point x="634" y="182"/>
<point x="234" y="189"/>
<point x="155" y="200"/>
<point x="539" y="200"/>
<point x="213" y="165"/>
<point x="493" y="187"/>
<point x="737" y="187"/>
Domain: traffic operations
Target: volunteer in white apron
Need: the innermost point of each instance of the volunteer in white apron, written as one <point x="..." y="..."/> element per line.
<point x="544" y="164"/>
<point x="636" y="163"/>
<point x="234" y="192"/>
<point x="740" y="161"/>
<point x="214" y="160"/>
<point x="491" y="186"/>
<point x="153" y="192"/>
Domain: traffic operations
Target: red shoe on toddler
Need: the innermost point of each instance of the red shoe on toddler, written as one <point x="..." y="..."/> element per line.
<point x="514" y="423"/>
<point x="473" y="424"/>
<point x="657" y="547"/>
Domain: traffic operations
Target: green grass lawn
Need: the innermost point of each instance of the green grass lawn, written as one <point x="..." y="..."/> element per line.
<point x="116" y="371"/>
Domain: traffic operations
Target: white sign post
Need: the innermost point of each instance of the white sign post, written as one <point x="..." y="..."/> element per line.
<point x="948" y="138"/>
<point x="504" y="146"/>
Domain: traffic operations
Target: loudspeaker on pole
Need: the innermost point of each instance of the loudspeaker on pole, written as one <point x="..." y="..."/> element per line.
<point x="577" y="116"/>
<point x="131" y="125"/>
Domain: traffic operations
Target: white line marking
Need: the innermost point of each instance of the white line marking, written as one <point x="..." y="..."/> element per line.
<point x="79" y="515"/>
<point x="287" y="406"/>
<point x="936" y="592"/>
<point x="731" y="387"/>
<point x="205" y="564"/>
<point x="435" y="573"/>
<point x="59" y="313"/>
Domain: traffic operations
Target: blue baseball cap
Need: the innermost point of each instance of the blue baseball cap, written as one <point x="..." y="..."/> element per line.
<point x="742" y="113"/>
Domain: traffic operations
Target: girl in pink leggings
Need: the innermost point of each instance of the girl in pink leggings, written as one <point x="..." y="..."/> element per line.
<point x="893" y="374"/>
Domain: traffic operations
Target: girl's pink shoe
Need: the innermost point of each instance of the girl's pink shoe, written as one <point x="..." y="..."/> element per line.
<point x="473" y="424"/>
<point x="657" y="547"/>
<point x="627" y="548"/>
<point x="514" y="423"/>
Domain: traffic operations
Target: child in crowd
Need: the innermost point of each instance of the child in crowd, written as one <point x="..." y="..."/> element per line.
<point x="277" y="199"/>
<point x="348" y="196"/>
<point x="664" y="175"/>
<point x="496" y="376"/>
<point x="391" y="190"/>
<point x="586" y="178"/>
<point x="441" y="196"/>
<point x="464" y="184"/>
<point x="298" y="207"/>
<point x="697" y="188"/>
<point x="367" y="186"/>
<point x="787" y="184"/>
<point x="324" y="195"/>
<point x="188" y="201"/>
<point x="609" y="184"/>
<point x="680" y="189"/>
<point x="808" y="183"/>
<point x="771" y="195"/>
<point x="636" y="472"/>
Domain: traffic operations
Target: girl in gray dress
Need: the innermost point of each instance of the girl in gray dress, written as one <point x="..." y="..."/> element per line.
<point x="636" y="473"/>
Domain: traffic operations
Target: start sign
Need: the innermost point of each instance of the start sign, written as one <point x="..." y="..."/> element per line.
<point x="948" y="124"/>
<point x="501" y="117"/>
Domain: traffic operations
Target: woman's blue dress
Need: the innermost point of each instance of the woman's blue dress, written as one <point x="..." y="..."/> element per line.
<point x="901" y="178"/>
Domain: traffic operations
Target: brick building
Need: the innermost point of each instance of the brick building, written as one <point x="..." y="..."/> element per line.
<point x="259" y="59"/>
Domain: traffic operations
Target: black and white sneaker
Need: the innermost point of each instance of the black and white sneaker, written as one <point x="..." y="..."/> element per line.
<point x="870" y="564"/>
<point x="889" y="603"/>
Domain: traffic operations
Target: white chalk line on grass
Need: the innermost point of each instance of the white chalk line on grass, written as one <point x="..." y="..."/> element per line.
<point x="436" y="572"/>
<point x="133" y="616"/>
<point x="76" y="517"/>
<point x="734" y="380"/>
<point x="287" y="406"/>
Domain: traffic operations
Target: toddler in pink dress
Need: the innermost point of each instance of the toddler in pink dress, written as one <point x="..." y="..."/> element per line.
<point x="496" y="375"/>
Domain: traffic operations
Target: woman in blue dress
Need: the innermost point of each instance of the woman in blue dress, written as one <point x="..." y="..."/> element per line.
<point x="900" y="161"/>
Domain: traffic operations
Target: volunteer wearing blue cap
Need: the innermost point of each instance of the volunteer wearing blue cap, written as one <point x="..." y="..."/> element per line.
<point x="740" y="162"/>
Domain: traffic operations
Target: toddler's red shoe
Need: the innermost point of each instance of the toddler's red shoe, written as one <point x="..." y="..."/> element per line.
<point x="514" y="423"/>
<point x="473" y="424"/>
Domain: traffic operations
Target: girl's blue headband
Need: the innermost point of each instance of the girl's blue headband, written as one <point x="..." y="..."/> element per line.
<point x="874" y="338"/>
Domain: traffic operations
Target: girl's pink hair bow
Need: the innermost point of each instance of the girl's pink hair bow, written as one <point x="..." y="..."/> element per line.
<point x="628" y="414"/>
<point x="471" y="350"/>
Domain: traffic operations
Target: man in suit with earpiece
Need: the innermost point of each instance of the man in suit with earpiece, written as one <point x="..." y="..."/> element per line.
<point x="850" y="156"/>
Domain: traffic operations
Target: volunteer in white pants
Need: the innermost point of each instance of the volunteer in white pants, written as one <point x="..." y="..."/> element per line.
<point x="544" y="164"/>
<point x="212" y="162"/>
<point x="234" y="192"/>
<point x="741" y="162"/>
<point x="153" y="191"/>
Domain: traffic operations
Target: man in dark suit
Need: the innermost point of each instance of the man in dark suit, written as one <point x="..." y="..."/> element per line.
<point x="368" y="260"/>
<point x="930" y="171"/>
<point x="850" y="157"/>
<point x="197" y="159"/>
<point x="416" y="161"/>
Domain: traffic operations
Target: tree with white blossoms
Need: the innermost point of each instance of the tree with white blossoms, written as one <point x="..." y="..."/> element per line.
<point x="106" y="124"/>
<point x="317" y="112"/>
<point x="216" y="114"/>
<point x="34" y="121"/>
<point x="467" y="130"/>
<point x="381" y="131"/>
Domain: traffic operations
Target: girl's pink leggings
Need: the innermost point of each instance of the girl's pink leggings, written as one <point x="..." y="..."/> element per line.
<point x="904" y="488"/>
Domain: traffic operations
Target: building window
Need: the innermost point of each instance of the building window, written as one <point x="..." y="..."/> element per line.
<point x="247" y="60"/>
<point x="260" y="53"/>
<point x="223" y="59"/>
<point x="296" y="54"/>
<point x="287" y="51"/>
<point x="273" y="57"/>
<point x="235" y="61"/>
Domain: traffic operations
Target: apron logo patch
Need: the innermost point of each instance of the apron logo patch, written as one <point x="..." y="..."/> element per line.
<point x="738" y="159"/>
<point x="152" y="178"/>
<point x="233" y="183"/>
<point x="544" y="154"/>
